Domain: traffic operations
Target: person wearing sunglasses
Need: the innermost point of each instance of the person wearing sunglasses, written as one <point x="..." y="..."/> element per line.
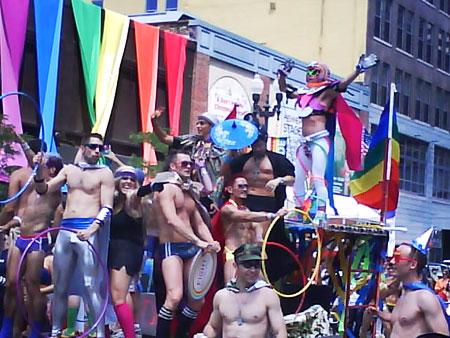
<point x="319" y="103"/>
<point x="419" y="311"/>
<point x="247" y="306"/>
<point x="237" y="225"/>
<point x="88" y="209"/>
<point x="32" y="214"/>
<point x="183" y="232"/>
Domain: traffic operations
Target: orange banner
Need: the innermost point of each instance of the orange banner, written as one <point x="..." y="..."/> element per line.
<point x="147" y="45"/>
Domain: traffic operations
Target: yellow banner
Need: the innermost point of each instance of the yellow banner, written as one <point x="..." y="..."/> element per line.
<point x="115" y="32"/>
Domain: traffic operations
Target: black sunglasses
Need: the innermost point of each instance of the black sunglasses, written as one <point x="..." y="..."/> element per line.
<point x="127" y="178"/>
<point x="186" y="164"/>
<point x="242" y="186"/>
<point x="250" y="264"/>
<point x="94" y="146"/>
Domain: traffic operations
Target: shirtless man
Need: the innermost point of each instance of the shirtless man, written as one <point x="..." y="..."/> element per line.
<point x="34" y="213"/>
<point x="418" y="310"/>
<point x="238" y="224"/>
<point x="317" y="103"/>
<point x="88" y="207"/>
<point x="247" y="307"/>
<point x="182" y="233"/>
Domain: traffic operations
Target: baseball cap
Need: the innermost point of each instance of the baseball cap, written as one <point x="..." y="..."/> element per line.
<point x="209" y="117"/>
<point x="247" y="252"/>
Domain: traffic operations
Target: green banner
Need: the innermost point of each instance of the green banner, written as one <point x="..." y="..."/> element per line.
<point x="88" y="22"/>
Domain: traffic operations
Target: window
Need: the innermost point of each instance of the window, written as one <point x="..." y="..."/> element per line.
<point x="400" y="26"/>
<point x="409" y="31"/>
<point x="429" y="43"/>
<point x="152" y="6"/>
<point x="440" y="112"/>
<point x="379" y="87"/>
<point x="420" y="39"/>
<point x="171" y="5"/>
<point x="440" y="49"/>
<point x="444" y="5"/>
<point x="426" y="102"/>
<point x="374" y="84"/>
<point x="441" y="173"/>
<point x="399" y="84"/>
<point x="404" y="29"/>
<point x="419" y="93"/>
<point x="405" y="95"/>
<point x="382" y="19"/>
<point x="447" y="53"/>
<point x="384" y="84"/>
<point x="412" y="164"/>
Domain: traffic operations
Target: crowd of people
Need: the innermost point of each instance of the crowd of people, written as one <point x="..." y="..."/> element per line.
<point x="103" y="217"/>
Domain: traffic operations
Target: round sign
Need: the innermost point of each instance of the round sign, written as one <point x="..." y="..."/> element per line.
<point x="202" y="272"/>
<point x="234" y="134"/>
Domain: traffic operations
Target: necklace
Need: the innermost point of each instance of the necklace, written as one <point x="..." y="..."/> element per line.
<point x="256" y="171"/>
<point x="239" y="319"/>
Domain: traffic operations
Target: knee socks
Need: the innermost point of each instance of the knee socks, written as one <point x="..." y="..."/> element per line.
<point x="185" y="320"/>
<point x="165" y="317"/>
<point x="126" y="320"/>
<point x="7" y="327"/>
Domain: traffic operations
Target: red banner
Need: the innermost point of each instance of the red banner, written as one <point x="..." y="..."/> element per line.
<point x="175" y="61"/>
<point x="147" y="45"/>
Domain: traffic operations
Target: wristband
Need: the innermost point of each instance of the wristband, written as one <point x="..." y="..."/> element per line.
<point x="18" y="219"/>
<point x="39" y="180"/>
<point x="25" y="146"/>
<point x="270" y="216"/>
<point x="103" y="214"/>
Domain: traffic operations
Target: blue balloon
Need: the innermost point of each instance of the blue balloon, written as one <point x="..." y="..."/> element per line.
<point x="234" y="134"/>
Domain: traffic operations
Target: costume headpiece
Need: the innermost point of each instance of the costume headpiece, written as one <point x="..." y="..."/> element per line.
<point x="126" y="170"/>
<point x="317" y="72"/>
<point x="421" y="242"/>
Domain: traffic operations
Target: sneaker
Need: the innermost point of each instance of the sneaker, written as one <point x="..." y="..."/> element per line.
<point x="68" y="333"/>
<point x="137" y="331"/>
<point x="117" y="333"/>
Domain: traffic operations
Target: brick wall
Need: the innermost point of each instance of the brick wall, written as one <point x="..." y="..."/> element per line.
<point x="199" y="97"/>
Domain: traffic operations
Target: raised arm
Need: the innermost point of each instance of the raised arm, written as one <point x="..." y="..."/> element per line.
<point x="214" y="326"/>
<point x="275" y="315"/>
<point x="364" y="63"/>
<point x="54" y="184"/>
<point x="159" y="132"/>
<point x="432" y="312"/>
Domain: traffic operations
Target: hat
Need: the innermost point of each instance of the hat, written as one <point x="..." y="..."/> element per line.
<point x="209" y="117"/>
<point x="421" y="242"/>
<point x="247" y="252"/>
<point x="125" y="170"/>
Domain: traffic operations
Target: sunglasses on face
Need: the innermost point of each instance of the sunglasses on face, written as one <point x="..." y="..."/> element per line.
<point x="242" y="186"/>
<point x="202" y="123"/>
<point x="94" y="146"/>
<point x="185" y="164"/>
<point x="251" y="264"/>
<point x="128" y="178"/>
<point x="398" y="258"/>
<point x="313" y="72"/>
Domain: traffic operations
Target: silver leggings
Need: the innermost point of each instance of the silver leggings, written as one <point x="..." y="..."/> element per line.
<point x="73" y="254"/>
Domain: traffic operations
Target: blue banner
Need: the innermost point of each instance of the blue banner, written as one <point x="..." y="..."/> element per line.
<point x="48" y="19"/>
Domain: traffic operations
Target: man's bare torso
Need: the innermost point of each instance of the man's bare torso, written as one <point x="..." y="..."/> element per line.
<point x="407" y="320"/>
<point x="237" y="233"/>
<point x="185" y="207"/>
<point x="36" y="211"/>
<point x="84" y="196"/>
<point x="258" y="171"/>
<point x="253" y="308"/>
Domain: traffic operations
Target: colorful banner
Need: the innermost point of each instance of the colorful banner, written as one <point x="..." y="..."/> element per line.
<point x="147" y="46"/>
<point x="13" y="22"/>
<point x="115" y="30"/>
<point x="48" y="19"/>
<point x="175" y="61"/>
<point x="88" y="22"/>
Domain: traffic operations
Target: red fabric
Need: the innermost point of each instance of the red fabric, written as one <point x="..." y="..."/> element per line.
<point x="147" y="46"/>
<point x="175" y="61"/>
<point x="233" y="113"/>
<point x="351" y="129"/>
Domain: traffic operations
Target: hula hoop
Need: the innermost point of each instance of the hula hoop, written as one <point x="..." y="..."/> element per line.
<point x="318" y="259"/>
<point x="102" y="266"/>
<point x="36" y="167"/>
<point x="302" y="271"/>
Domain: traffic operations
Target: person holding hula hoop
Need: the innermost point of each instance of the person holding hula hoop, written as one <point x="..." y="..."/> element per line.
<point x="33" y="214"/>
<point x="183" y="232"/>
<point x="88" y="208"/>
<point x="247" y="306"/>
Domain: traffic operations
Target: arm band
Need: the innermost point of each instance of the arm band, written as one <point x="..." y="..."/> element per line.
<point x="18" y="219"/>
<point x="25" y="147"/>
<point x="270" y="216"/>
<point x="103" y="214"/>
<point x="39" y="181"/>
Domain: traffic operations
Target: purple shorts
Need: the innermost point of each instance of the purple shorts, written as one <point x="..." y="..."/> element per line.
<point x="40" y="244"/>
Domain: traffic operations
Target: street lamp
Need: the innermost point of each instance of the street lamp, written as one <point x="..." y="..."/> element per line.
<point x="257" y="86"/>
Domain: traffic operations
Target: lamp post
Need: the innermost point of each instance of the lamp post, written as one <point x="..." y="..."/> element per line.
<point x="257" y="86"/>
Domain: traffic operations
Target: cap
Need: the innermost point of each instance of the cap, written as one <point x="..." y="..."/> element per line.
<point x="247" y="252"/>
<point x="126" y="170"/>
<point x="209" y="117"/>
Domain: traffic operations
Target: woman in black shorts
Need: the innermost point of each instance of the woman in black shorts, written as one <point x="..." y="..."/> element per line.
<point x="126" y="246"/>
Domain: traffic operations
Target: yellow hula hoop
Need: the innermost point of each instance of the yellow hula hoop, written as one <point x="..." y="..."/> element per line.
<point x="318" y="258"/>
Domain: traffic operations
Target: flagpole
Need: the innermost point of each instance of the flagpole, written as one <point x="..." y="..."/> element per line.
<point x="388" y="155"/>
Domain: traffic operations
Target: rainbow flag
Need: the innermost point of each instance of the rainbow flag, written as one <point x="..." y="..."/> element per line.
<point x="366" y="186"/>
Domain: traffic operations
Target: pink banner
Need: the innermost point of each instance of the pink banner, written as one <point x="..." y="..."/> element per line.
<point x="175" y="61"/>
<point x="13" y="23"/>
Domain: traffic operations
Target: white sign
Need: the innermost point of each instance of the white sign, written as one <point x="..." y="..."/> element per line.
<point x="224" y="94"/>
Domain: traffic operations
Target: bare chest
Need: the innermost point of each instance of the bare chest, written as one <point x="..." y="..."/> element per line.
<point x="243" y="308"/>
<point x="89" y="181"/>
<point x="255" y="167"/>
<point x="406" y="312"/>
